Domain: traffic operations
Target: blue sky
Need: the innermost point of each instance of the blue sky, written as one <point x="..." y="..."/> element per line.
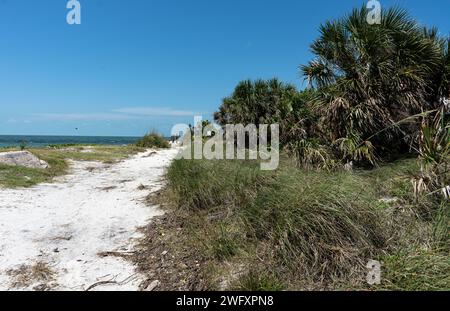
<point x="137" y="65"/>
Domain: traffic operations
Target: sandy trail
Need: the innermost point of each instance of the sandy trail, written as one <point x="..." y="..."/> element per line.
<point x="66" y="224"/>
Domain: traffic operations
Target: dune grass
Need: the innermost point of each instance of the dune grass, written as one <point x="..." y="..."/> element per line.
<point x="309" y="229"/>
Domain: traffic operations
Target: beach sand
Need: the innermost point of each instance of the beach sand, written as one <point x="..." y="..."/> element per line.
<point x="66" y="235"/>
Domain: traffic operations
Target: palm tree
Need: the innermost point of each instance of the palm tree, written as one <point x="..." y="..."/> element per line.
<point x="368" y="77"/>
<point x="265" y="102"/>
<point x="259" y="102"/>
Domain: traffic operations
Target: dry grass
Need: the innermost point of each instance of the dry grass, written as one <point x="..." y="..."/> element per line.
<point x="38" y="274"/>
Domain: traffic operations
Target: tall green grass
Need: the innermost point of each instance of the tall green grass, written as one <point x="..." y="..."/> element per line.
<point x="325" y="225"/>
<point x="212" y="184"/>
<point x="419" y="270"/>
<point x="312" y="230"/>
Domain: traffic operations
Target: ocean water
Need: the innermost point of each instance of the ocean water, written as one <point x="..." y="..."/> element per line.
<point x="43" y="141"/>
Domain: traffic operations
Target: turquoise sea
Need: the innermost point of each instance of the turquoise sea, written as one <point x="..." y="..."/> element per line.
<point x="43" y="141"/>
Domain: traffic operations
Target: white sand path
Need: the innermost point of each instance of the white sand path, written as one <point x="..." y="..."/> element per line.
<point x="66" y="224"/>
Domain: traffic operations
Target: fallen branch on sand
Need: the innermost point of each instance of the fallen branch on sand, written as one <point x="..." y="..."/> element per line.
<point x="111" y="281"/>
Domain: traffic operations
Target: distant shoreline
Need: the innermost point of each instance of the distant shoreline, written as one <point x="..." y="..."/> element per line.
<point x="46" y="140"/>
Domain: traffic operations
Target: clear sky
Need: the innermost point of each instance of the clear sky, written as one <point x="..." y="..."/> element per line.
<point x="136" y="65"/>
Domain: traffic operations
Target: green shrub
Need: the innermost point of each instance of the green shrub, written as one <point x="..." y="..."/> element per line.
<point x="23" y="145"/>
<point x="153" y="140"/>
<point x="434" y="154"/>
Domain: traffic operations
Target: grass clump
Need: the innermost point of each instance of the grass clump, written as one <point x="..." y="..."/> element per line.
<point x="28" y="275"/>
<point x="224" y="246"/>
<point x="153" y="140"/>
<point x="321" y="225"/>
<point x="259" y="281"/>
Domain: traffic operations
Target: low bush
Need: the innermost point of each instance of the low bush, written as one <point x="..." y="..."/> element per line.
<point x="153" y="140"/>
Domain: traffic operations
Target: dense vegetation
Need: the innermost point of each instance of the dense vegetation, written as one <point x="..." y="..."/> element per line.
<point x="376" y="93"/>
<point x="303" y="229"/>
<point x="376" y="102"/>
